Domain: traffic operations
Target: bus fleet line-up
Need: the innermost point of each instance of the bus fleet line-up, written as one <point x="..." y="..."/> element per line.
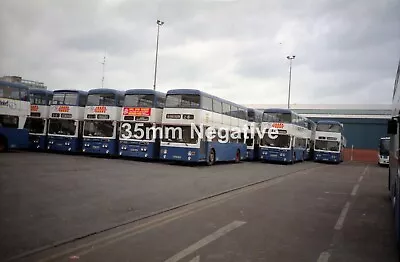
<point x="106" y="121"/>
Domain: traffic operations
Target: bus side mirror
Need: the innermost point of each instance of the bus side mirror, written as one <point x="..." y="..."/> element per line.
<point x="392" y="127"/>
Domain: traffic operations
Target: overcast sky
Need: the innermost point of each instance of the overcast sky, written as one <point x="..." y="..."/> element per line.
<point x="346" y="51"/>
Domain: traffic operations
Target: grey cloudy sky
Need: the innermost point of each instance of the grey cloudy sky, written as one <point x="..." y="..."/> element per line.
<point x="346" y="51"/>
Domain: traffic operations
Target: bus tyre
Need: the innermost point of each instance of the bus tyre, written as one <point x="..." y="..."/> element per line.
<point x="3" y="144"/>
<point x="211" y="158"/>
<point x="237" y="157"/>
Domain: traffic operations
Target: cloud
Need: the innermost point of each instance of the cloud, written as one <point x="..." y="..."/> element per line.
<point x="346" y="52"/>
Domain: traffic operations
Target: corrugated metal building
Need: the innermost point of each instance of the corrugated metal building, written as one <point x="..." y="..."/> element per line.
<point x="363" y="124"/>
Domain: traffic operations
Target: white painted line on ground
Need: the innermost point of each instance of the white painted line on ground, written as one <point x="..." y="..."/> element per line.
<point x="336" y="193"/>
<point x="342" y="217"/>
<point x="324" y="257"/>
<point x="355" y="189"/>
<point x="195" y="259"/>
<point x="205" y="241"/>
<point x="360" y="179"/>
<point x="365" y="170"/>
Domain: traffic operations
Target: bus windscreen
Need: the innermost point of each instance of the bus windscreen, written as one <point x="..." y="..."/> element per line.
<point x="101" y="100"/>
<point x="139" y="100"/>
<point x="183" y="101"/>
<point x="384" y="147"/>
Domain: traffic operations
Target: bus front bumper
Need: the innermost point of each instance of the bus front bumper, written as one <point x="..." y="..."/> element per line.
<point x="275" y="155"/>
<point x="99" y="146"/>
<point x="137" y="149"/>
<point x="63" y="144"/>
<point x="383" y="160"/>
<point x="327" y="157"/>
<point x="181" y="154"/>
<point x="37" y="142"/>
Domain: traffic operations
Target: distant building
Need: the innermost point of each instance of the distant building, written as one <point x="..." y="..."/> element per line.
<point x="29" y="83"/>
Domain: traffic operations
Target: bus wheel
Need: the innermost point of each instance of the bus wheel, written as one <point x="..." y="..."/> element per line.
<point x="237" y="158"/>
<point x="211" y="158"/>
<point x="3" y="144"/>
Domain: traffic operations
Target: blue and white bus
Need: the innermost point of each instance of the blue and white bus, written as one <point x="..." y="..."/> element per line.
<point x="383" y="153"/>
<point x="14" y="110"/>
<point x="254" y="117"/>
<point x="187" y="108"/>
<point x="37" y="122"/>
<point x="142" y="110"/>
<point x="329" y="141"/>
<point x="311" y="126"/>
<point x="394" y="156"/>
<point x="66" y="121"/>
<point x="101" y="121"/>
<point x="290" y="142"/>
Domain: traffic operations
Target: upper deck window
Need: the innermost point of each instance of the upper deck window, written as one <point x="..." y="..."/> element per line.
<point x="70" y="99"/>
<point x="183" y="101"/>
<point x="139" y="100"/>
<point x="277" y="117"/>
<point x="38" y="99"/>
<point x="329" y="127"/>
<point x="384" y="146"/>
<point x="101" y="100"/>
<point x="10" y="92"/>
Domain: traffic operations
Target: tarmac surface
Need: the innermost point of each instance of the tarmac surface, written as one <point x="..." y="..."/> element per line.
<point x="60" y="208"/>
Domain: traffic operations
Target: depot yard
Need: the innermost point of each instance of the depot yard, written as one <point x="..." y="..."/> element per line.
<point x="55" y="198"/>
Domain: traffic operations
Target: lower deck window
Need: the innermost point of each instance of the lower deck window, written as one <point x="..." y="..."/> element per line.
<point x="9" y="121"/>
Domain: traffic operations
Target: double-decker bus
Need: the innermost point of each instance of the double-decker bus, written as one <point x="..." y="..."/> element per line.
<point x="14" y="110"/>
<point x="289" y="141"/>
<point x="101" y="121"/>
<point x="254" y="118"/>
<point x="311" y="126"/>
<point x="66" y="121"/>
<point x="383" y="153"/>
<point x="329" y="141"/>
<point x="394" y="154"/>
<point x="37" y="122"/>
<point x="142" y="111"/>
<point x="191" y="110"/>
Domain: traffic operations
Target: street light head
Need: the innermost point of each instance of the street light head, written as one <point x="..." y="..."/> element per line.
<point x="160" y="22"/>
<point x="291" y="57"/>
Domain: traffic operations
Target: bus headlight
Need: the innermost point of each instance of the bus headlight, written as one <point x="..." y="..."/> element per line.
<point x="105" y="146"/>
<point x="189" y="153"/>
<point x="165" y="151"/>
<point x="145" y="155"/>
<point x="67" y="143"/>
<point x="83" y="150"/>
<point x="107" y="151"/>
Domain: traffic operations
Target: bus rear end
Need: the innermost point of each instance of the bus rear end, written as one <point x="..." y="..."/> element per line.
<point x="101" y="121"/>
<point x="14" y="110"/>
<point x="141" y="124"/>
<point x="66" y="121"/>
<point x="383" y="154"/>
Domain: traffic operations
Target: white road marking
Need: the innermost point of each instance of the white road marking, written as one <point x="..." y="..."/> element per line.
<point x="205" y="241"/>
<point x="195" y="259"/>
<point x="360" y="179"/>
<point x="355" y="189"/>
<point x="336" y="193"/>
<point x="324" y="257"/>
<point x="342" y="217"/>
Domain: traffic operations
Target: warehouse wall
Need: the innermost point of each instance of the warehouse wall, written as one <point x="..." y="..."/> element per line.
<point x="362" y="133"/>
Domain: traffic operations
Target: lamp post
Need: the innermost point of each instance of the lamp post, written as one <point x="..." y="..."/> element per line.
<point x="159" y="23"/>
<point x="290" y="77"/>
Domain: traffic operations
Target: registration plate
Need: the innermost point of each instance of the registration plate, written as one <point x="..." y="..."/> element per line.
<point x="177" y="157"/>
<point x="96" y="147"/>
<point x="273" y="155"/>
